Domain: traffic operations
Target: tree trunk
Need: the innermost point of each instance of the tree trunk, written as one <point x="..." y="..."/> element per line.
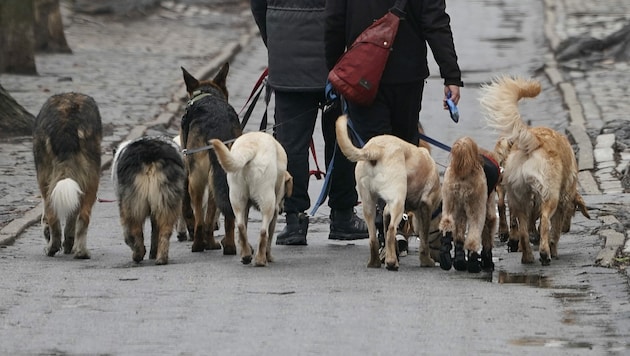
<point x="17" y="39"/>
<point x="49" y="35"/>
<point x="14" y="119"/>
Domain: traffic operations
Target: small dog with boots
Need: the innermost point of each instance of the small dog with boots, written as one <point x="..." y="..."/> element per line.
<point x="468" y="208"/>
<point x="67" y="148"/>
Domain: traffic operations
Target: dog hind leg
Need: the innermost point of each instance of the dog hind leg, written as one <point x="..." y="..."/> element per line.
<point x="54" y="226"/>
<point x="69" y="232"/>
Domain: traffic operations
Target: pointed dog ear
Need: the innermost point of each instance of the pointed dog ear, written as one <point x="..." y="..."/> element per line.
<point x="191" y="82"/>
<point x="220" y="79"/>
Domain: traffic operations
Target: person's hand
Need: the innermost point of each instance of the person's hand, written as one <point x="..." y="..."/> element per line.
<point x="454" y="90"/>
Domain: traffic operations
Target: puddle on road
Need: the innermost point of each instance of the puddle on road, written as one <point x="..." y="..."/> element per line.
<point x="533" y="280"/>
<point x="551" y="342"/>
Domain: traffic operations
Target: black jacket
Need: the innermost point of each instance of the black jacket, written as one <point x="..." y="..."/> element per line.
<point x="293" y="31"/>
<point x="425" y="22"/>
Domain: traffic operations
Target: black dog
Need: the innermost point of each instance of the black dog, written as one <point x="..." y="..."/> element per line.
<point x="148" y="175"/>
<point x="67" y="149"/>
<point x="208" y="116"/>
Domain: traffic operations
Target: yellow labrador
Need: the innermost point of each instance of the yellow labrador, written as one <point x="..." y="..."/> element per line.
<point x="257" y="176"/>
<point x="405" y="177"/>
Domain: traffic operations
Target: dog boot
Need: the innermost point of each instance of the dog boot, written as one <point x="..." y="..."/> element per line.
<point x="460" y="257"/>
<point x="473" y="264"/>
<point x="294" y="232"/>
<point x="486" y="260"/>
<point x="346" y="225"/>
<point x="446" y="261"/>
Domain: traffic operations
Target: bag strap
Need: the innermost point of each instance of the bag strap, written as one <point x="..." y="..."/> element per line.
<point x="399" y="8"/>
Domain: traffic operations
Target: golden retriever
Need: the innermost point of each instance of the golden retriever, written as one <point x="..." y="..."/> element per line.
<point x="405" y="177"/>
<point x="540" y="171"/>
<point x="468" y="208"/>
<point x="257" y="176"/>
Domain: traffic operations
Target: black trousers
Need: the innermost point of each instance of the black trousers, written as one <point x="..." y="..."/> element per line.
<point x="295" y="117"/>
<point x="395" y="111"/>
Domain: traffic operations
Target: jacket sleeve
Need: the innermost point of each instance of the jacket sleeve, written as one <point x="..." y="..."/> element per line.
<point x="438" y="34"/>
<point x="259" y="11"/>
<point x="335" y="31"/>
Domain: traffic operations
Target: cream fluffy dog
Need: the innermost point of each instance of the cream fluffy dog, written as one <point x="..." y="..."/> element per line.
<point x="540" y="168"/>
<point x="257" y="176"/>
<point x="468" y="209"/>
<point x="405" y="177"/>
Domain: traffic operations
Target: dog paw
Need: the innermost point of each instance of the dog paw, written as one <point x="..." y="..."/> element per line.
<point x="82" y="255"/>
<point x="512" y="246"/>
<point x="460" y="258"/>
<point x="161" y="261"/>
<point x="246" y="259"/>
<point x="392" y="266"/>
<point x="544" y="259"/>
<point x="486" y="261"/>
<point x="230" y="249"/>
<point x="504" y="236"/>
<point x="473" y="265"/>
<point x="182" y="236"/>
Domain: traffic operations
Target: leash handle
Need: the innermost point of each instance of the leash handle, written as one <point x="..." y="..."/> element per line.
<point x="452" y="108"/>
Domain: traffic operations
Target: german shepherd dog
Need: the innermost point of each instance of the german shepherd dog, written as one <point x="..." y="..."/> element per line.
<point x="208" y="116"/>
<point x="67" y="148"/>
<point x="148" y="175"/>
<point x="256" y="167"/>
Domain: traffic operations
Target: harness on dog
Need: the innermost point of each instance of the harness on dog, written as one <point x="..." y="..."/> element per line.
<point x="492" y="171"/>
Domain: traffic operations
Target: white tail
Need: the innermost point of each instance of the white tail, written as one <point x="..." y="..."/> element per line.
<point x="232" y="162"/>
<point x="352" y="152"/>
<point x="66" y="197"/>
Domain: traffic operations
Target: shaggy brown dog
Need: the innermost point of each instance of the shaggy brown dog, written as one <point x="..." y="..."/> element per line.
<point x="405" y="177"/>
<point x="468" y="210"/>
<point x="67" y="148"/>
<point x="540" y="168"/>
<point x="256" y="167"/>
<point x="208" y="116"/>
<point x="148" y="175"/>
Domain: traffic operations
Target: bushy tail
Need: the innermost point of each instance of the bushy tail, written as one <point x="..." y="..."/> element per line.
<point x="229" y="161"/>
<point x="349" y="150"/>
<point x="500" y="101"/>
<point x="65" y="198"/>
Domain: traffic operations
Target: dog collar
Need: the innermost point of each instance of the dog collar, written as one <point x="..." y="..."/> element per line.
<point x="196" y="95"/>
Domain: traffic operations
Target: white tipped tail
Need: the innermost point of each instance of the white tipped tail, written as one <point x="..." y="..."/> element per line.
<point x="65" y="198"/>
<point x="500" y="100"/>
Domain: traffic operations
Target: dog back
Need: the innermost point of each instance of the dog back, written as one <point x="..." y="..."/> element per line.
<point x="148" y="175"/>
<point x="67" y="148"/>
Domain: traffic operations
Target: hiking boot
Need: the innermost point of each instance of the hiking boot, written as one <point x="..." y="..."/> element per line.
<point x="294" y="232"/>
<point x="346" y="225"/>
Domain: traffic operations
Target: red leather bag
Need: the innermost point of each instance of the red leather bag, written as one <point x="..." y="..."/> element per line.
<point x="357" y="74"/>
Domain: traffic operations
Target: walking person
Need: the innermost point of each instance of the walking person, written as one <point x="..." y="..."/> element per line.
<point x="293" y="32"/>
<point x="396" y="108"/>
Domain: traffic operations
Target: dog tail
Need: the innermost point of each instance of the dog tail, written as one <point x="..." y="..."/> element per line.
<point x="229" y="161"/>
<point x="349" y="150"/>
<point x="66" y="197"/>
<point x="579" y="202"/>
<point x="500" y="101"/>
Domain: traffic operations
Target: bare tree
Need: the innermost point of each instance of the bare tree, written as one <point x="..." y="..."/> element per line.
<point x="49" y="34"/>
<point x="14" y="119"/>
<point x="17" y="39"/>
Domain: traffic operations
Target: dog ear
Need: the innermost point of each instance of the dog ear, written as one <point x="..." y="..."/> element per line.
<point x="220" y="79"/>
<point x="191" y="82"/>
<point x="288" y="184"/>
